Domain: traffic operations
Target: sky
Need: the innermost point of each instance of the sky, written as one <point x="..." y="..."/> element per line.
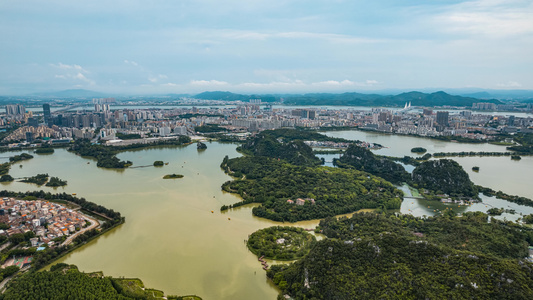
<point x="256" y="46"/>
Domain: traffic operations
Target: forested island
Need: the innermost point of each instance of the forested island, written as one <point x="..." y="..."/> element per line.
<point x="54" y="182"/>
<point x="22" y="156"/>
<point x="44" y="150"/>
<point x="280" y="242"/>
<point x="38" y="179"/>
<point x="172" y="176"/>
<point x="380" y="256"/>
<point x="67" y="282"/>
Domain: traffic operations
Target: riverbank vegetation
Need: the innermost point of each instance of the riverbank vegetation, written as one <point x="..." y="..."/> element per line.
<point x="526" y="143"/>
<point x="501" y="195"/>
<point x="378" y="256"/>
<point x="280" y="242"/>
<point x="172" y="176"/>
<point x="66" y="281"/>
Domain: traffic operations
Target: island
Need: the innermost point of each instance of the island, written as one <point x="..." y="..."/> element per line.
<point x="158" y="163"/>
<point x="172" y="176"/>
<point x="38" y="179"/>
<point x="54" y="182"/>
<point x="419" y="150"/>
<point x="475" y="169"/>
<point x="201" y="146"/>
<point x="6" y="178"/>
<point x="44" y="150"/>
<point x="22" y="156"/>
<point x="280" y="243"/>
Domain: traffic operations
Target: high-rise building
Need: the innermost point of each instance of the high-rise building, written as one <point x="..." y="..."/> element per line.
<point x="47" y="114"/>
<point x="510" y="121"/>
<point x="15" y="110"/>
<point x="33" y="122"/>
<point x="443" y="118"/>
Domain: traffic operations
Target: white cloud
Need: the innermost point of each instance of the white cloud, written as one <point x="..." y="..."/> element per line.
<point x="207" y="82"/>
<point x="345" y="83"/>
<point x="490" y="18"/>
<point x="73" y="73"/>
<point x="69" y="67"/>
<point x="131" y="62"/>
<point x="509" y="84"/>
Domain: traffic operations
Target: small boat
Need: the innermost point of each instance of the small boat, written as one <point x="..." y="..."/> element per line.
<point x="166" y="164"/>
<point x="88" y="162"/>
<point x="212" y="212"/>
<point x="229" y="218"/>
<point x="73" y="194"/>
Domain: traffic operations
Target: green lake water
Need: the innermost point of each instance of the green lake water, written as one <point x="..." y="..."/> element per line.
<point x="172" y="240"/>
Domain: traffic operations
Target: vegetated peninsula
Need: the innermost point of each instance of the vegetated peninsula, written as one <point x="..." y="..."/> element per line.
<point x="378" y="256"/>
<point x="291" y="192"/>
<point x="63" y="281"/>
<point x="444" y="176"/>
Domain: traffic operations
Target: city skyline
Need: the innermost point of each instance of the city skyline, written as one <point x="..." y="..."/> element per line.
<point x="264" y="47"/>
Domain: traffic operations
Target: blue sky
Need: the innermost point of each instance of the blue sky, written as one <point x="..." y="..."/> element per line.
<point x="255" y="46"/>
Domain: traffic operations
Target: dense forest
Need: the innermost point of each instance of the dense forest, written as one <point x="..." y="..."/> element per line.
<point x="294" y="151"/>
<point x="444" y="176"/>
<point x="336" y="191"/>
<point x="376" y="256"/>
<point x="363" y="159"/>
<point x="280" y="242"/>
<point x="66" y="282"/>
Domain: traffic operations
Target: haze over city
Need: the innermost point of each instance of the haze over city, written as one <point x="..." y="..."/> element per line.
<point x="135" y="47"/>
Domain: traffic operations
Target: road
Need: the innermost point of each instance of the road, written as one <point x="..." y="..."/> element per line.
<point x="93" y="225"/>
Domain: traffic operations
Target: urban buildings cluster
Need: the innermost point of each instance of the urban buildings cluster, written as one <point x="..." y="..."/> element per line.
<point x="47" y="220"/>
<point x="108" y="121"/>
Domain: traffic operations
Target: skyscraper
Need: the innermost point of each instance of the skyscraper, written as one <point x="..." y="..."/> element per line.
<point x="442" y="118"/>
<point x="47" y="114"/>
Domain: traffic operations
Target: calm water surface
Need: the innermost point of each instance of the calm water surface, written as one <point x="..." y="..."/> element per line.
<point x="172" y="240"/>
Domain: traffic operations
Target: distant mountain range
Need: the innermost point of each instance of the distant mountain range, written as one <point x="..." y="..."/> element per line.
<point x="354" y="99"/>
<point x="461" y="97"/>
